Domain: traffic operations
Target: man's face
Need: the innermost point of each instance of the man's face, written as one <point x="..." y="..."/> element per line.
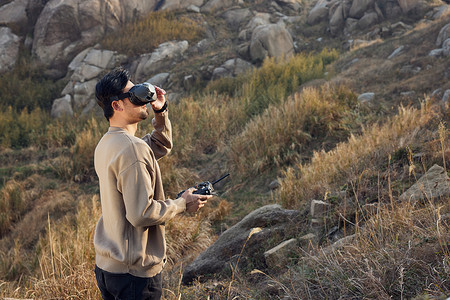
<point x="135" y="113"/>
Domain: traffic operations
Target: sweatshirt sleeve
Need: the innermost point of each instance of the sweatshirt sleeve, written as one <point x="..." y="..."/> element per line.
<point x="160" y="140"/>
<point x="141" y="209"/>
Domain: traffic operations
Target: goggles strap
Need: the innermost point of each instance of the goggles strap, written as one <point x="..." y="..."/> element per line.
<point x="120" y="97"/>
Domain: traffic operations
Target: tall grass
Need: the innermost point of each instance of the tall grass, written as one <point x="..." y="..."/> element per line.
<point x="205" y="123"/>
<point x="25" y="87"/>
<point x="401" y="252"/>
<point x="284" y="133"/>
<point x="145" y="34"/>
<point x="329" y="170"/>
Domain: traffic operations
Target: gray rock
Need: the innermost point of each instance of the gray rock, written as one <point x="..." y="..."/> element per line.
<point x="86" y="72"/>
<point x="66" y="27"/>
<point x="433" y="185"/>
<point x="446" y="47"/>
<point x="446" y="97"/>
<point x="275" y="184"/>
<point x="443" y="35"/>
<point x="258" y="20"/>
<point x="440" y="12"/>
<point x="339" y="244"/>
<point x="14" y="12"/>
<point x="319" y="208"/>
<point x="436" y="52"/>
<point x="317" y="15"/>
<point x="180" y="4"/>
<point x="366" y="97"/>
<point x="396" y="52"/>
<point x="78" y="59"/>
<point x="271" y="40"/>
<point x="278" y="257"/>
<point x="351" y="24"/>
<point x="407" y="5"/>
<point x="193" y="8"/>
<point x="368" y="20"/>
<point x="337" y="20"/>
<point x="290" y="4"/>
<point x="62" y="107"/>
<point x="165" y="52"/>
<point x="215" y="5"/>
<point x="359" y="7"/>
<point x="99" y="58"/>
<point x="272" y="218"/>
<point x="235" y="17"/>
<point x="9" y="49"/>
<point x="160" y="79"/>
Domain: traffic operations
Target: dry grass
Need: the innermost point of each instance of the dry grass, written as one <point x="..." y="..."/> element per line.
<point x="401" y="252"/>
<point x="284" y="133"/>
<point x="329" y="170"/>
<point x="145" y="34"/>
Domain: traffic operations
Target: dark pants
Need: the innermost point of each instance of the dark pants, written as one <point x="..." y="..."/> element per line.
<point x="128" y="287"/>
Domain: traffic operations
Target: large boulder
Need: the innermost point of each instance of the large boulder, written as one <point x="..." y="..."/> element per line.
<point x="9" y="49"/>
<point x="179" y="4"/>
<point x="319" y="13"/>
<point x="443" y="35"/>
<point x="216" y="5"/>
<point x="86" y="69"/>
<point x="231" y="68"/>
<point x="236" y="16"/>
<point x="14" y="12"/>
<point x="65" y="27"/>
<point x="274" y="221"/>
<point x="359" y="7"/>
<point x="433" y="185"/>
<point x="153" y="63"/>
<point x="271" y="40"/>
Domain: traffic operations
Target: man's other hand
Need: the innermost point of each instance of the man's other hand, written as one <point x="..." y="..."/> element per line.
<point x="159" y="103"/>
<point x="194" y="201"/>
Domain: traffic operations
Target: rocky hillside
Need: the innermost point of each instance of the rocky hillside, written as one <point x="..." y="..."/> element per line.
<point x="65" y="39"/>
<point x="362" y="166"/>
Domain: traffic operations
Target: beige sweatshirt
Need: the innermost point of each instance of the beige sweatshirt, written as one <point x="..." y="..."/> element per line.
<point x="129" y="237"/>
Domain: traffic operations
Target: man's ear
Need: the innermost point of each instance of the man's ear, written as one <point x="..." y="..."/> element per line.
<point x="117" y="106"/>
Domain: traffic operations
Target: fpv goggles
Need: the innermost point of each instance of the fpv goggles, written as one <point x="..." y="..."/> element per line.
<point x="139" y="95"/>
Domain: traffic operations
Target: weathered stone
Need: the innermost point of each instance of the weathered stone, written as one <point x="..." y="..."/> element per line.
<point x="436" y="52"/>
<point x="396" y="52"/>
<point x="180" y="4"/>
<point x="307" y="239"/>
<point x="215" y="5"/>
<point x="359" y="7"/>
<point x="278" y="257"/>
<point x="86" y="72"/>
<point x="443" y="35"/>
<point x="368" y="20"/>
<point x="337" y="20"/>
<point x="271" y="40"/>
<point x="14" y="12"/>
<point x="275" y="184"/>
<point x="407" y="5"/>
<point x="271" y="218"/>
<point x="446" y="47"/>
<point x="9" y="49"/>
<point x="319" y="208"/>
<point x="340" y="243"/>
<point x="165" y="52"/>
<point x="66" y="27"/>
<point x="366" y="97"/>
<point x="159" y="79"/>
<point x="258" y="20"/>
<point x="317" y="15"/>
<point x="62" y="107"/>
<point x="290" y="4"/>
<point x="440" y="12"/>
<point x="235" y="17"/>
<point x="78" y="59"/>
<point x="99" y="58"/>
<point x="434" y="184"/>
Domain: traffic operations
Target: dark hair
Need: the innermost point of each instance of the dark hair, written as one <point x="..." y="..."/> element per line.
<point x="112" y="84"/>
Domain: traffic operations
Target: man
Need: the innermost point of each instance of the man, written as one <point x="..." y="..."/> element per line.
<point x="129" y="238"/>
